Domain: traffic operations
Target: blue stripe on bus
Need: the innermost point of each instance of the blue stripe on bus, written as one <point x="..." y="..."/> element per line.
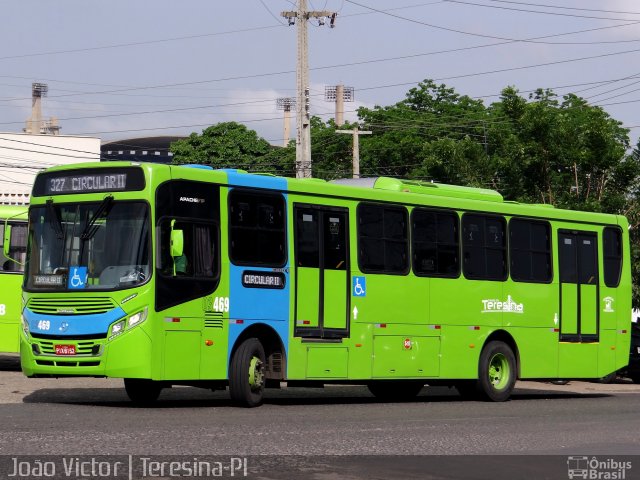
<point x="268" y="306"/>
<point x="255" y="181"/>
<point x="71" y="325"/>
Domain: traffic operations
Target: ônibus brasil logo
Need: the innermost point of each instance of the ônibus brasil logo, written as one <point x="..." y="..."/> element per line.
<point x="594" y="468"/>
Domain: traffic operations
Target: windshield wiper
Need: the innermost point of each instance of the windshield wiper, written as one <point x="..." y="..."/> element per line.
<point x="92" y="227"/>
<point x="54" y="220"/>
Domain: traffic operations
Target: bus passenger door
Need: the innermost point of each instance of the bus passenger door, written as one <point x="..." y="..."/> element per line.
<point x="322" y="271"/>
<point x="579" y="305"/>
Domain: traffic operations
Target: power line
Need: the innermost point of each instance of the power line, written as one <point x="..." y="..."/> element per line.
<point x="251" y="76"/>
<point x="524" y="67"/>
<point x="453" y="30"/>
<point x="185" y="37"/>
<point x="94" y="157"/>
<point x="271" y="13"/>
<point x="135" y="44"/>
<point x="563" y="8"/>
<point x="533" y="11"/>
<point x="350" y="64"/>
<point x="45" y="146"/>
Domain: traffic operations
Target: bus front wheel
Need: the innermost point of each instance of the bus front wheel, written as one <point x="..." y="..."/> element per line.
<point x="246" y="374"/>
<point x="142" y="391"/>
<point x="496" y="372"/>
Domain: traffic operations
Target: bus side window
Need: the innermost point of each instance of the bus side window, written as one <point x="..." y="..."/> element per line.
<point x="530" y="250"/>
<point x="335" y="247"/>
<point x="434" y="235"/>
<point x="484" y="247"/>
<point x="257" y="228"/>
<point x="383" y="239"/>
<point x="307" y="245"/>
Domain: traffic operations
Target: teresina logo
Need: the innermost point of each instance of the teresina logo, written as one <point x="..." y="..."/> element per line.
<point x="192" y="199"/>
<point x="508" y="306"/>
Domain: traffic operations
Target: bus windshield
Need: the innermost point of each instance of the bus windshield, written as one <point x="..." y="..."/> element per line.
<point x="93" y="246"/>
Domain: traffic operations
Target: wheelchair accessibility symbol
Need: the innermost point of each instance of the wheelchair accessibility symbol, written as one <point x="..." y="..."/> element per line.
<point x="359" y="287"/>
<point x="77" y="277"/>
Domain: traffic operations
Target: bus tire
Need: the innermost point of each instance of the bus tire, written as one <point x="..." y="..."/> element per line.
<point x="246" y="374"/>
<point x="142" y="391"/>
<point x="395" y="390"/>
<point x="608" y="378"/>
<point x="496" y="372"/>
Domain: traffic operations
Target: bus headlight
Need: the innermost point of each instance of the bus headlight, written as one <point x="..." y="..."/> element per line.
<point x="25" y="325"/>
<point x="137" y="318"/>
<point x="132" y="321"/>
<point x="117" y="329"/>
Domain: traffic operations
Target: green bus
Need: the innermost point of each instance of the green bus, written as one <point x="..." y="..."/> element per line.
<point x="13" y="225"/>
<point x="184" y="275"/>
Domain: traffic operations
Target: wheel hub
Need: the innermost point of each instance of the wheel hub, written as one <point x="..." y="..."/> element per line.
<point x="499" y="371"/>
<point x="256" y="373"/>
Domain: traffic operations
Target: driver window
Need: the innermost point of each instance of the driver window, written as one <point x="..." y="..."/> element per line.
<point x="198" y="255"/>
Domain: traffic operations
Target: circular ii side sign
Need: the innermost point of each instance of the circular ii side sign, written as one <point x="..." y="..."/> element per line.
<point x="407" y="344"/>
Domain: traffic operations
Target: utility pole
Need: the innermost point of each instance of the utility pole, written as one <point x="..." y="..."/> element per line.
<point x="338" y="94"/>
<point x="303" y="137"/>
<point x="356" y="148"/>
<point x="285" y="104"/>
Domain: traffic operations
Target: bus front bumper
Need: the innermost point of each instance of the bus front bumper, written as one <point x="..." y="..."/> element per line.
<point x="126" y="356"/>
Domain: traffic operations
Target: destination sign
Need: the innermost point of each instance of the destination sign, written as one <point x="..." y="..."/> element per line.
<point x="254" y="279"/>
<point x="88" y="181"/>
<point x="48" y="280"/>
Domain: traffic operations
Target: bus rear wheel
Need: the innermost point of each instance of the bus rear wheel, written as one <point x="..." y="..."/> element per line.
<point x="496" y="372"/>
<point x="142" y="391"/>
<point x="246" y="374"/>
<point x="395" y="390"/>
<point x="608" y="378"/>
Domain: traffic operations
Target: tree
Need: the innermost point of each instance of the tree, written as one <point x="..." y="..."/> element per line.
<point x="566" y="153"/>
<point x="232" y="145"/>
<point x="419" y="135"/>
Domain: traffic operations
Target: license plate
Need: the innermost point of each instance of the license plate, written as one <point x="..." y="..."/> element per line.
<point x="65" y="349"/>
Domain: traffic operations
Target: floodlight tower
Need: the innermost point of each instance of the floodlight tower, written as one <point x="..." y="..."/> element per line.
<point x="286" y="104"/>
<point x="339" y="94"/>
<point x="34" y="124"/>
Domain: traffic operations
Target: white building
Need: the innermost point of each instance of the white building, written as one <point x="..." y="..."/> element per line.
<point x="23" y="155"/>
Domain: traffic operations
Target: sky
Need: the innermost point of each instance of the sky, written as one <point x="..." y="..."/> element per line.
<point x="125" y="69"/>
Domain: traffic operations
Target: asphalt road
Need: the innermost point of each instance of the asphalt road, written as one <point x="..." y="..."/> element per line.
<point x="94" y="417"/>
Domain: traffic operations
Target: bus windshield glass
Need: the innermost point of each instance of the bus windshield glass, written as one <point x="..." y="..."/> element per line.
<point x="88" y="246"/>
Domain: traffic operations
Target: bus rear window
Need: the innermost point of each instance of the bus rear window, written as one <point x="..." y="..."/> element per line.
<point x="612" y="244"/>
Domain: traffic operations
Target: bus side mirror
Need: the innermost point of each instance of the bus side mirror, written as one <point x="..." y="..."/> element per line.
<point x="177" y="243"/>
<point x="7" y="240"/>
